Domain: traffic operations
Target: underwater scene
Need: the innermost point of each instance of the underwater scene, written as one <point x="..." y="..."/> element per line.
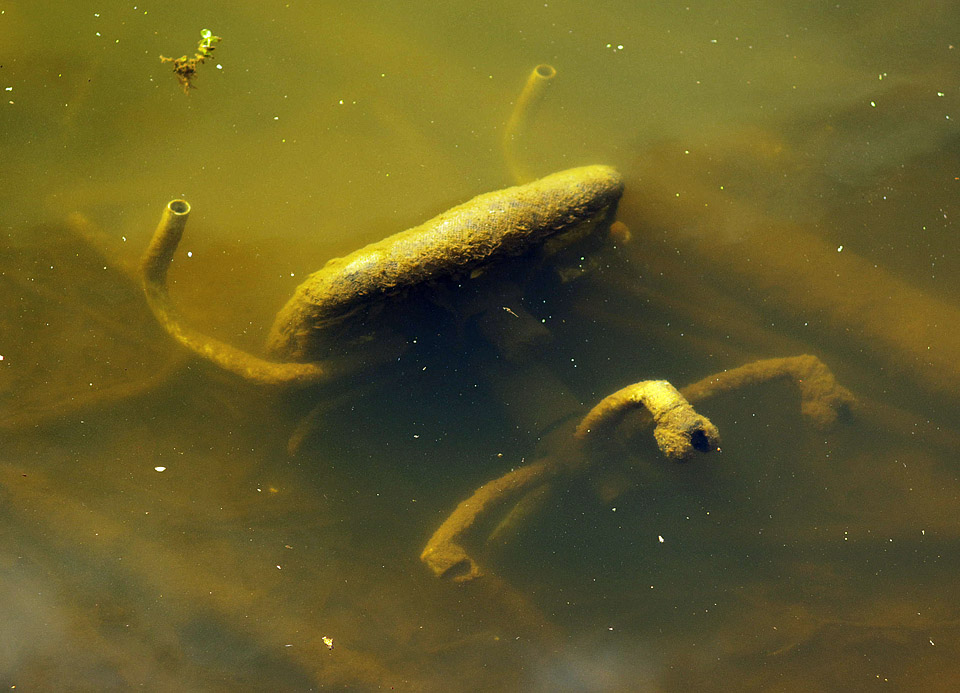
<point x="461" y="346"/>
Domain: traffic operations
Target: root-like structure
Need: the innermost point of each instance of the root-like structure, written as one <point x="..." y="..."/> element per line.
<point x="678" y="429"/>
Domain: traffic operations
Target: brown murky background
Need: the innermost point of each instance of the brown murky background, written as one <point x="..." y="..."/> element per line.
<point x="817" y="139"/>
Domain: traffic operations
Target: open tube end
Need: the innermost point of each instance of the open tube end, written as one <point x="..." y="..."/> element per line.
<point x="156" y="259"/>
<point x="543" y="71"/>
<point x="178" y="207"/>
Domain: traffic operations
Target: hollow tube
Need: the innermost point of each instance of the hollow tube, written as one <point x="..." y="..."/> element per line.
<point x="679" y="430"/>
<point x="517" y="125"/>
<point x="154" y="265"/>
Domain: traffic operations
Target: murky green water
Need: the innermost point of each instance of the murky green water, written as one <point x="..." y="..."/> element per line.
<point x="791" y="179"/>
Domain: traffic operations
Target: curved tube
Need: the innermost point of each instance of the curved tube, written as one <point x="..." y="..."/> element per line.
<point x="679" y="431"/>
<point x="154" y="265"/>
<point x="524" y="109"/>
<point x="159" y="254"/>
<point x="444" y="554"/>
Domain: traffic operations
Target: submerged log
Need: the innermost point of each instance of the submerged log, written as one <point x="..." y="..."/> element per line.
<point x="464" y="241"/>
<point x="461" y="241"/>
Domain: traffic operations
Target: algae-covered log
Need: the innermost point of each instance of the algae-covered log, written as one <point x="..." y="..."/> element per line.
<point x="462" y="240"/>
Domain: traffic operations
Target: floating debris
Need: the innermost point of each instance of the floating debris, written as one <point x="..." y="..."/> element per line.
<point x="185" y="68"/>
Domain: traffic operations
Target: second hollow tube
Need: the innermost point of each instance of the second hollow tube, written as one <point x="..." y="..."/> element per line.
<point x="154" y="265"/>
<point x="524" y="109"/>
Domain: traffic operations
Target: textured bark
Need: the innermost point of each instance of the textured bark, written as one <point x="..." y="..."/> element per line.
<point x="461" y="241"/>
